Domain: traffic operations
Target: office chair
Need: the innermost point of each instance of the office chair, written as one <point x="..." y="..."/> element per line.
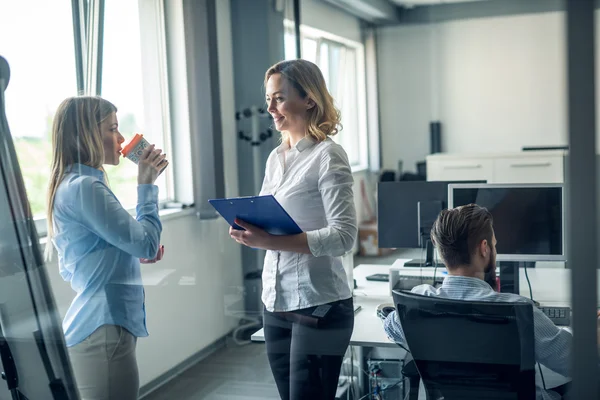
<point x="466" y="350"/>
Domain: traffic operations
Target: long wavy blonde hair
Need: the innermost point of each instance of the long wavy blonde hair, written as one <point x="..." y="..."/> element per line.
<point x="307" y="79"/>
<point x="76" y="138"/>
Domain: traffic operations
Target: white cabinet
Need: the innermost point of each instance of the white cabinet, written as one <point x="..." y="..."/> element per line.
<point x="471" y="169"/>
<point x="529" y="170"/>
<point x="521" y="167"/>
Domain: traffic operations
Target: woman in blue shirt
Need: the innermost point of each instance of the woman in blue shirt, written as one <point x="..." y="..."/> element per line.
<point x="100" y="245"/>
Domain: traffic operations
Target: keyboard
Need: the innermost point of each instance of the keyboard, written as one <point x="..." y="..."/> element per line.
<point x="558" y="315"/>
<point x="379" y="277"/>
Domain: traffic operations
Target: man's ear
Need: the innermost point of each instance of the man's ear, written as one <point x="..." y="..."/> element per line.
<point x="484" y="248"/>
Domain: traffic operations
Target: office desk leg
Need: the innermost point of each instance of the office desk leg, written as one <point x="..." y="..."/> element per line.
<point x="363" y="379"/>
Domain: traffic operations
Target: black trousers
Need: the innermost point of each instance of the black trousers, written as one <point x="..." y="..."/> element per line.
<point x="306" y="350"/>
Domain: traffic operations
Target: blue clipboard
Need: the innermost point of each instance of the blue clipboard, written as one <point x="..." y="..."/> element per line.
<point x="262" y="211"/>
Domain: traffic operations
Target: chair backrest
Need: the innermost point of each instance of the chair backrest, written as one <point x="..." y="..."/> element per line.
<point x="469" y="350"/>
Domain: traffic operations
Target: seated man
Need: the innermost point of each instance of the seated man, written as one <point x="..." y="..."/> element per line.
<point x="466" y="242"/>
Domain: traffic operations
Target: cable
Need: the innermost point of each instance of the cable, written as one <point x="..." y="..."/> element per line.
<point x="528" y="282"/>
<point x="378" y="394"/>
<point x="394" y="385"/>
<point x="404" y="348"/>
<point x="352" y="389"/>
<point x="421" y="264"/>
<point x="365" y="396"/>
<point x="255" y="322"/>
<point x="360" y="370"/>
<point x="542" y="376"/>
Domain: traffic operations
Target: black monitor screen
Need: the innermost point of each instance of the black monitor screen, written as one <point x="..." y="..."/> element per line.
<point x="527" y="220"/>
<point x="398" y="208"/>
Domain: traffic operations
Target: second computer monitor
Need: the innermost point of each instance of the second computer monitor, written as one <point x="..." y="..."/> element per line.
<point x="528" y="219"/>
<point x="406" y="210"/>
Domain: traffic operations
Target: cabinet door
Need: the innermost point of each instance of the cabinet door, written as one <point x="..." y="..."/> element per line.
<point x="456" y="169"/>
<point x="529" y="169"/>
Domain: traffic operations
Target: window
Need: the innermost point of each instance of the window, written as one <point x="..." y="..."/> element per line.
<point x="43" y="74"/>
<point x="42" y="63"/>
<point x="130" y="83"/>
<point x="342" y="63"/>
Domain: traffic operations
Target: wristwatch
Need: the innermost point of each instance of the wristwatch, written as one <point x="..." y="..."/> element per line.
<point x="383" y="310"/>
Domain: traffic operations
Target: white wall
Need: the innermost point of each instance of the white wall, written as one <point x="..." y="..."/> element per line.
<point x="496" y="84"/>
<point x="405" y="101"/>
<point x="185" y="309"/>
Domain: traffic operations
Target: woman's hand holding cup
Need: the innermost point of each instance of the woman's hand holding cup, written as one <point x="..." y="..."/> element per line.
<point x="151" y="164"/>
<point x="149" y="160"/>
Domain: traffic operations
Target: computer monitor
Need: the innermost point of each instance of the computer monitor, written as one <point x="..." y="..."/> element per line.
<point x="528" y="219"/>
<point x="407" y="210"/>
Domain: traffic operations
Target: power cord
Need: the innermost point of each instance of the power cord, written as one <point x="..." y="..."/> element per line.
<point x="352" y="390"/>
<point x="528" y="283"/>
<point x="377" y="394"/>
<point x="542" y="376"/>
<point x="422" y="261"/>
<point x="403" y="347"/>
<point x="254" y="322"/>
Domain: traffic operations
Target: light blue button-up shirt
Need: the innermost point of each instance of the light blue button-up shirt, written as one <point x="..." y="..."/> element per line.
<point x="552" y="344"/>
<point x="99" y="245"/>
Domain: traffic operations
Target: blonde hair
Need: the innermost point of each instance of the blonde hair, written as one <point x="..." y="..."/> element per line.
<point x="76" y="138"/>
<point x="307" y="79"/>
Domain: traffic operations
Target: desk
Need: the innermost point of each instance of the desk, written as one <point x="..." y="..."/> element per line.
<point x="368" y="329"/>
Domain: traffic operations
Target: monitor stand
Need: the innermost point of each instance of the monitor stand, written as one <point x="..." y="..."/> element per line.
<point x="428" y="262"/>
<point x="509" y="275"/>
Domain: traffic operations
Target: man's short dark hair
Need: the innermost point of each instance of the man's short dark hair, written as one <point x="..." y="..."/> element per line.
<point x="458" y="231"/>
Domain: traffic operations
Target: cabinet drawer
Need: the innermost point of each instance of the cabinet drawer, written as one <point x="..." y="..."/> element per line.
<point x="529" y="170"/>
<point x="468" y="169"/>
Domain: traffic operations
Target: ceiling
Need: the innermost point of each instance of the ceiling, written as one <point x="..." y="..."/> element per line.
<point x="386" y="11"/>
<point x="413" y="3"/>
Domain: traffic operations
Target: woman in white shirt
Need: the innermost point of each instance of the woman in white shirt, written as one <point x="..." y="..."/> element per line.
<point x="309" y="314"/>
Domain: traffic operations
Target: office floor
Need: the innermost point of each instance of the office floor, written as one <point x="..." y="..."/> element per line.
<point x="236" y="372"/>
<point x="231" y="373"/>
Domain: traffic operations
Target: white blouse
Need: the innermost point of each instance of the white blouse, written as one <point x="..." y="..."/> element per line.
<point x="313" y="183"/>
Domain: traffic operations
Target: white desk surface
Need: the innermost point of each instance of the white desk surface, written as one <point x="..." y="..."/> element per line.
<point x="368" y="328"/>
<point x="550" y="287"/>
